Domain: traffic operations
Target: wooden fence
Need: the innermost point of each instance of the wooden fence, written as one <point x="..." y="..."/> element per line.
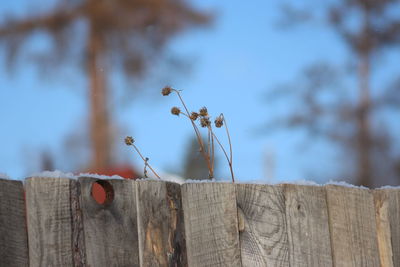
<point x="56" y="222"/>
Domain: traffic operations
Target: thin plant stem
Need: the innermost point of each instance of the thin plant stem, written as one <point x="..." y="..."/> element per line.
<point x="226" y="156"/>
<point x="145" y="167"/>
<point x="199" y="138"/>
<point x="209" y="143"/>
<point x="212" y="146"/>
<point x="145" y="160"/>
<point x="230" y="145"/>
<point x="184" y="114"/>
<point x="229" y="138"/>
<point x="213" y="151"/>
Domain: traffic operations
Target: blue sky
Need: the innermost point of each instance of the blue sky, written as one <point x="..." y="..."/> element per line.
<point x="233" y="64"/>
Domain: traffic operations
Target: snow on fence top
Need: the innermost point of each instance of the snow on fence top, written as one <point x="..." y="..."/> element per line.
<point x="48" y="221"/>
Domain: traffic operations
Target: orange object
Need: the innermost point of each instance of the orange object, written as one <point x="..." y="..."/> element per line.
<point x="101" y="192"/>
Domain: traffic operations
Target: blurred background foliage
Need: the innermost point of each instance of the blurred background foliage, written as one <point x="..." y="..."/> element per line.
<point x="339" y="102"/>
<point x="348" y="107"/>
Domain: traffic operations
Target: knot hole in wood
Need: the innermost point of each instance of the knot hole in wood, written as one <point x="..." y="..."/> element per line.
<point x="102" y="192"/>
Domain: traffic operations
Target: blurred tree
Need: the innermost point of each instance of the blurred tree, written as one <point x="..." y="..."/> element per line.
<point x="47" y="161"/>
<point x="367" y="27"/>
<point x="125" y="34"/>
<point x="376" y="29"/>
<point x="194" y="166"/>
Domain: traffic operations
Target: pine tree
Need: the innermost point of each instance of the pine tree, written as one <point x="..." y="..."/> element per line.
<point x="127" y="35"/>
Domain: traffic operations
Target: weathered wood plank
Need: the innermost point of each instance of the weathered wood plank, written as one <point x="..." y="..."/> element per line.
<point x="307" y="226"/>
<point x="263" y="233"/>
<point x="352" y="226"/>
<point x="49" y="221"/>
<point x="77" y="239"/>
<point x="160" y="224"/>
<point x="110" y="229"/>
<point x="387" y="207"/>
<point x="13" y="235"/>
<point x="211" y="224"/>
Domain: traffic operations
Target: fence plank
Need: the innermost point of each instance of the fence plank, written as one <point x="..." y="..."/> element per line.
<point x="307" y="226"/>
<point x="160" y="224"/>
<point x="387" y="207"/>
<point x="110" y="229"/>
<point x="353" y="231"/>
<point x="211" y="224"/>
<point x="13" y="236"/>
<point x="77" y="238"/>
<point x="49" y="221"/>
<point x="263" y="234"/>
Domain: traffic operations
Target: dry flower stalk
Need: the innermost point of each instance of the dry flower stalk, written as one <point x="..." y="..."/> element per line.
<point x="146" y="163"/>
<point x="204" y="120"/>
<point x="219" y="122"/>
<point x="129" y="141"/>
<point x="193" y="115"/>
<point x="175" y="111"/>
<point x="208" y="151"/>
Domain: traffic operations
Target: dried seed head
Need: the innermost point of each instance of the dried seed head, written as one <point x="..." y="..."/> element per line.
<point x="129" y="140"/>
<point x="166" y="90"/>
<point x="205" y="122"/>
<point x="194" y="116"/>
<point x="203" y="112"/>
<point x="175" y="111"/>
<point x="219" y="121"/>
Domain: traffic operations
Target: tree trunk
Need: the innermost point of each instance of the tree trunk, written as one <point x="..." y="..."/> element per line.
<point x="100" y="135"/>
<point x="364" y="137"/>
<point x="364" y="142"/>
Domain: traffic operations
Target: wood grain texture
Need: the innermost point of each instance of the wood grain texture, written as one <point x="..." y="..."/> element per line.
<point x="13" y="235"/>
<point x="211" y="224"/>
<point x="110" y="230"/>
<point x="263" y="232"/>
<point x="387" y="207"/>
<point x="160" y="224"/>
<point x="49" y="221"/>
<point x="352" y="226"/>
<point x="307" y="226"/>
<point x="77" y="239"/>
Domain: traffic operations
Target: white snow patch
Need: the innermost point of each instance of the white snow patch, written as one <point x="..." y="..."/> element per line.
<point x="345" y="184"/>
<point x="145" y="179"/>
<point x="301" y="182"/>
<point x="69" y="175"/>
<point x="257" y="181"/>
<point x="191" y="181"/>
<point x="179" y="180"/>
<point x="54" y="174"/>
<point x="168" y="177"/>
<point x="305" y="182"/>
<point x="164" y="177"/>
<point x="172" y="178"/>
<point x="263" y="182"/>
<point x="99" y="176"/>
<point x="389" y="187"/>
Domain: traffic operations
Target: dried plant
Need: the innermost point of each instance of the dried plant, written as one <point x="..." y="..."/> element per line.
<point x="219" y="122"/>
<point x="146" y="163"/>
<point x="175" y="111"/>
<point x="207" y="150"/>
<point x="204" y="120"/>
<point x="129" y="141"/>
